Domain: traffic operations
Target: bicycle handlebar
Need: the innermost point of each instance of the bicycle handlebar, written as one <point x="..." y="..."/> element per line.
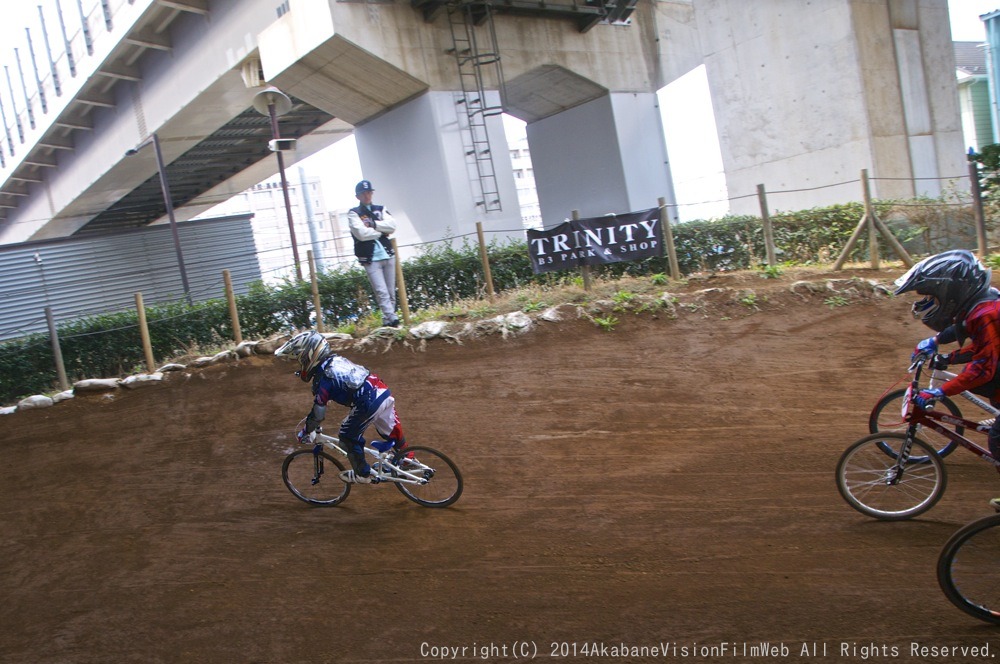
<point x="936" y="361"/>
<point x="918" y="363"/>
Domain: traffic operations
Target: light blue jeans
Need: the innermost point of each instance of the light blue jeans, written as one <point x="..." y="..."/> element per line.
<point x="382" y="275"/>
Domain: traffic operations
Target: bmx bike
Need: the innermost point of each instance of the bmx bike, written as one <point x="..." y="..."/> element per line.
<point x="422" y="474"/>
<point x="967" y="572"/>
<point x="895" y="475"/>
<point x="885" y="415"/>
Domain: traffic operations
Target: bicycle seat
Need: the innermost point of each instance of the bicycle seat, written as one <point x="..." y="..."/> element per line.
<point x="382" y="445"/>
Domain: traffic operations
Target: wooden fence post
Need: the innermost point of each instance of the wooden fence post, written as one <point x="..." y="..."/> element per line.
<point x="874" y="224"/>
<point x="234" y="315"/>
<point x="56" y="350"/>
<point x="765" y="215"/>
<point x="668" y="240"/>
<point x="404" y="305"/>
<point x="870" y="215"/>
<point x="584" y="269"/>
<point x="147" y="347"/>
<point x="315" y="291"/>
<point x="485" y="258"/>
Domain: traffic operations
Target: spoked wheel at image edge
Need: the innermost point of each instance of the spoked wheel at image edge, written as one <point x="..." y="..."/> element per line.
<point x="878" y="485"/>
<point x="967" y="569"/>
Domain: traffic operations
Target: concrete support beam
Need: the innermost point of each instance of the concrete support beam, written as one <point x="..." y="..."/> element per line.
<point x="96" y="99"/>
<point x="603" y="157"/>
<point x="57" y="142"/>
<point x="303" y="55"/>
<point x="75" y="122"/>
<point x="120" y="71"/>
<point x="415" y="156"/>
<point x="192" y="6"/>
<point x="312" y="143"/>
<point x="805" y="94"/>
<point x="549" y="90"/>
<point x="150" y="39"/>
<point x="808" y="94"/>
<point x="44" y="161"/>
<point x="356" y="60"/>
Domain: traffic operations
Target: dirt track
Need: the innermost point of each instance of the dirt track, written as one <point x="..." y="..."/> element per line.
<point x="670" y="483"/>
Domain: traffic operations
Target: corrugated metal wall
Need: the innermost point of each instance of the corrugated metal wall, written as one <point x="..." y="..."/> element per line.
<point x="87" y="276"/>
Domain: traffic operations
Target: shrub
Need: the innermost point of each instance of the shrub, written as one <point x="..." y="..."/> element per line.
<point x="443" y="274"/>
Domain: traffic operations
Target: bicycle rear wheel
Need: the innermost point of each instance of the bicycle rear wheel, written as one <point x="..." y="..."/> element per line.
<point x="314" y="478"/>
<point x="967" y="569"/>
<point x="865" y="472"/>
<point x="444" y="481"/>
<point x="887" y="416"/>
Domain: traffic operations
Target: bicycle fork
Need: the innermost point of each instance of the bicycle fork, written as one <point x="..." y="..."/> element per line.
<point x="317" y="464"/>
<point x="894" y="473"/>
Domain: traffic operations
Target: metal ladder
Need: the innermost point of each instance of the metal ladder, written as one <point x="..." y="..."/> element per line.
<point x="475" y="65"/>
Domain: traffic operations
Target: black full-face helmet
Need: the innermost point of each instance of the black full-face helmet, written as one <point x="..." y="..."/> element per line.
<point x="309" y="348"/>
<point x="951" y="282"/>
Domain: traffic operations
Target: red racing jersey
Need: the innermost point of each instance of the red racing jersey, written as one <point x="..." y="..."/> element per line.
<point x="981" y="352"/>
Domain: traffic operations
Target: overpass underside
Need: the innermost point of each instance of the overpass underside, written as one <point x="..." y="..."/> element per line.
<point x="422" y="83"/>
<point x="188" y="70"/>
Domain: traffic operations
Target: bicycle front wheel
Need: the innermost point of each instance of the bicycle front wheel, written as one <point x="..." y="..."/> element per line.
<point x="867" y="477"/>
<point x="314" y="478"/>
<point x="887" y="415"/>
<point x="967" y="569"/>
<point x="442" y="482"/>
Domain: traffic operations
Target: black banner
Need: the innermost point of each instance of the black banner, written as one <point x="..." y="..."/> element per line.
<point x="595" y="241"/>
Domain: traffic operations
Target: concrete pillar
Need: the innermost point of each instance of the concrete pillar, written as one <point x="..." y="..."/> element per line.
<point x="415" y="156"/>
<point x="605" y="156"/>
<point x="807" y="94"/>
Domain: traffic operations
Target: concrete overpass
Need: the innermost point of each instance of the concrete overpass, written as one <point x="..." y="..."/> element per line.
<point x="805" y="94"/>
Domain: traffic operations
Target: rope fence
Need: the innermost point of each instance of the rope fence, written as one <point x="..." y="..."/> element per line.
<point x="870" y="222"/>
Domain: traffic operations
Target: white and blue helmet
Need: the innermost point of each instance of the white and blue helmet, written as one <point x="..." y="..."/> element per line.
<point x="309" y="348"/>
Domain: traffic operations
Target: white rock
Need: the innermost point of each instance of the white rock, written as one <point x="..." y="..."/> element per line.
<point x="560" y="311"/>
<point x="35" y="401"/>
<point x="429" y="329"/>
<point x="490" y="325"/>
<point x="140" y="380"/>
<point x="173" y="366"/>
<point x="517" y="320"/>
<point x="63" y="396"/>
<point x="467" y="330"/>
<point x="551" y="315"/>
<point x="9" y="410"/>
<point x="214" y="359"/>
<point x="246" y="348"/>
<point x="95" y="385"/>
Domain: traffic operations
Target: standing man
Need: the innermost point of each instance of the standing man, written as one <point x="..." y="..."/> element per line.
<point x="371" y="226"/>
